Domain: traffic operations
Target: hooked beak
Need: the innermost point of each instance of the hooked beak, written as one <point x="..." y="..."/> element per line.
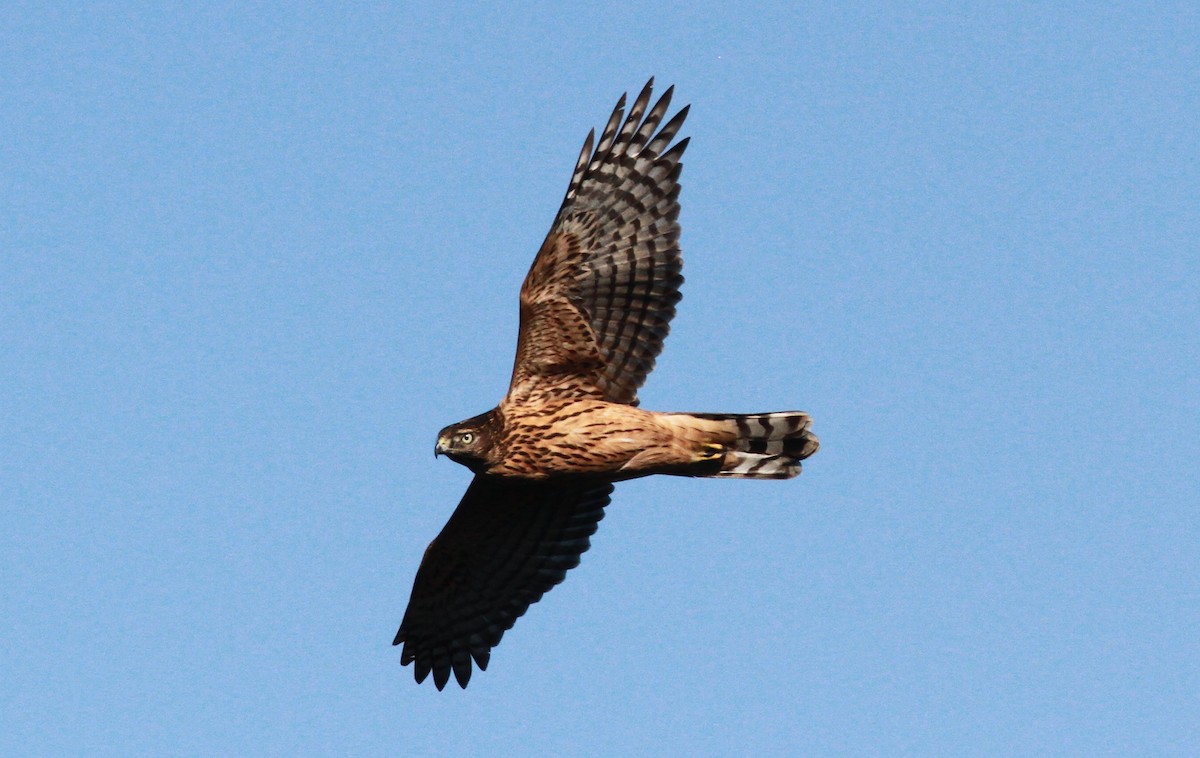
<point x="440" y="447"/>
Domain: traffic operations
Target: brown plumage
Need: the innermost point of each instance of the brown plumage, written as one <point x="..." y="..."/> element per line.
<point x="595" y="309"/>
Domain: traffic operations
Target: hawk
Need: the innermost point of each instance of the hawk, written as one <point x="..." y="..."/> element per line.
<point x="595" y="308"/>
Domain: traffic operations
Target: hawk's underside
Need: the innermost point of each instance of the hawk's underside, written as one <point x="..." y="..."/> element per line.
<point x="595" y="308"/>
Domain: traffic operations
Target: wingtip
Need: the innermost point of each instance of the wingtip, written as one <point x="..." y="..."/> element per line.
<point x="441" y="676"/>
<point x="646" y="90"/>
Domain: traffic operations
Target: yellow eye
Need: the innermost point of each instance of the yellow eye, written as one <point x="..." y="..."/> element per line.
<point x="466" y="438"/>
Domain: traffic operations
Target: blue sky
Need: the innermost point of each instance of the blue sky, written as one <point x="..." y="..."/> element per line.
<point x="252" y="259"/>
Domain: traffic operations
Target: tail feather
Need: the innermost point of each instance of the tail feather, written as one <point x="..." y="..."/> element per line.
<point x="768" y="445"/>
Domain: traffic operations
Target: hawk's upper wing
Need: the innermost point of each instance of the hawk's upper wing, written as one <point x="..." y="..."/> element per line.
<point x="508" y="543"/>
<point x="597" y="301"/>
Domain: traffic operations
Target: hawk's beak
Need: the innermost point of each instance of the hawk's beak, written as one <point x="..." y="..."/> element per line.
<point x="440" y="447"/>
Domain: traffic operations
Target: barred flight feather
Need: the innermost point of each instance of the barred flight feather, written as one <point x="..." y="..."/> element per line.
<point x="623" y="203"/>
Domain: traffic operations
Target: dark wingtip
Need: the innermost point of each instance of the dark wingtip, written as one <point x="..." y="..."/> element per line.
<point x="421" y="669"/>
<point x="441" y="675"/>
<point x="463" y="674"/>
<point x="646" y="90"/>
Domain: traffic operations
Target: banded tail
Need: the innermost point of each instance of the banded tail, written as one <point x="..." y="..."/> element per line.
<point x="768" y="445"/>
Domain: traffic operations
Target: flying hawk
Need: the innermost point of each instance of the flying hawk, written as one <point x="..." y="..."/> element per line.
<point x="595" y="308"/>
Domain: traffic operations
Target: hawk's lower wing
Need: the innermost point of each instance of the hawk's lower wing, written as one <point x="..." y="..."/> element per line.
<point x="506" y="545"/>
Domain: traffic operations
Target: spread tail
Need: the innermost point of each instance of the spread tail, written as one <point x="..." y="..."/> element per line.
<point x="768" y="445"/>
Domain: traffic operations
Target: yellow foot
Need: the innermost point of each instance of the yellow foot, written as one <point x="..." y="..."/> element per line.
<point x="710" y="452"/>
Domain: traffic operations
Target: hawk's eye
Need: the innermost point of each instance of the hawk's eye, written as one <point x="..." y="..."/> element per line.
<point x="466" y="438"/>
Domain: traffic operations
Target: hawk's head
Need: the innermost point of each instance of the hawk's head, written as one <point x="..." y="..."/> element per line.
<point x="469" y="442"/>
